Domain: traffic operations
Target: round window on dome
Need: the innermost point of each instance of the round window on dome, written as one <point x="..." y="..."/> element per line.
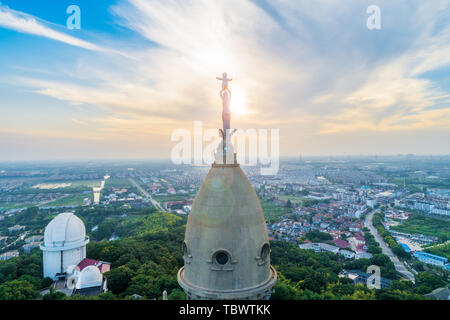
<point x="265" y="250"/>
<point x="221" y="258"/>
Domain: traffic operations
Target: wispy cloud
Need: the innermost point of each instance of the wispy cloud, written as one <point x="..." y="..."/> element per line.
<point x="26" y="23"/>
<point x="304" y="66"/>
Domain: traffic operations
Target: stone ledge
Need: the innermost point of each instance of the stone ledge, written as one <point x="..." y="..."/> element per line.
<point x="259" y="292"/>
<point x="232" y="165"/>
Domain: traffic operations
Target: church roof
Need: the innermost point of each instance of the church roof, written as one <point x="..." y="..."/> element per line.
<point x="226" y="219"/>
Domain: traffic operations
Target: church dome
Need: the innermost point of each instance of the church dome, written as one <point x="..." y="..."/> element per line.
<point x="226" y="247"/>
<point x="64" y="230"/>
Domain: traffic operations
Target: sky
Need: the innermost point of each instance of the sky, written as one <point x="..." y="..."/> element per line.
<point x="139" y="69"/>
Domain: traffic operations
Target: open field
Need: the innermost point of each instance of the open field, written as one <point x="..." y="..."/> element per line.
<point x="272" y="211"/>
<point x="67" y="184"/>
<point x="118" y="183"/>
<point x="71" y="200"/>
<point x="426" y="225"/>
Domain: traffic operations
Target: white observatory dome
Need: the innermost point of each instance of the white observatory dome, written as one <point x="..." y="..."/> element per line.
<point x="89" y="277"/>
<point x="65" y="229"/>
<point x="64" y="244"/>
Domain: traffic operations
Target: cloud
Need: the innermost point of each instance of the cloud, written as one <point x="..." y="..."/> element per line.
<point x="25" y="23"/>
<point x="303" y="66"/>
<point x="397" y="95"/>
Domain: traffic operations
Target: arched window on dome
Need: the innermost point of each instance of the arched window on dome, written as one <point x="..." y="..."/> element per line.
<point x="186" y="253"/>
<point x="263" y="254"/>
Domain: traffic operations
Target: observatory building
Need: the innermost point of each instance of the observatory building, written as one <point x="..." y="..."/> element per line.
<point x="64" y="244"/>
<point x="226" y="248"/>
<point x="86" y="278"/>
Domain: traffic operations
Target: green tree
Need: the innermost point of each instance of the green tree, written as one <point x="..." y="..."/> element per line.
<point x="284" y="291"/>
<point x="427" y="282"/>
<point x="46" y="282"/>
<point x="107" y="296"/>
<point x="176" y="294"/>
<point x="289" y="204"/>
<point x="18" y="290"/>
<point x="119" y="278"/>
<point x="54" y="295"/>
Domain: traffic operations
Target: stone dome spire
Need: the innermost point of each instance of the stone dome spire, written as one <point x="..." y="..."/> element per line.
<point x="226" y="248"/>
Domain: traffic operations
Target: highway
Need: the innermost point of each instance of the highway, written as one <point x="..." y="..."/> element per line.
<point x="147" y="195"/>
<point x="399" y="266"/>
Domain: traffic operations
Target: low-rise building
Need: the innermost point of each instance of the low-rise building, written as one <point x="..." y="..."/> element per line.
<point x="429" y="258"/>
<point x="347" y="254"/>
<point x="9" y="255"/>
<point x="34" y="239"/>
<point x="31" y="245"/>
<point x="16" y="228"/>
<point x="363" y="255"/>
<point x="360" y="277"/>
<point x="319" y="247"/>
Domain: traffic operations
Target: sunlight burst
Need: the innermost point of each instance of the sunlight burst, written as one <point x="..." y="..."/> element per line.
<point x="238" y="101"/>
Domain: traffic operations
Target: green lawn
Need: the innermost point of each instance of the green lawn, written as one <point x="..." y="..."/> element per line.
<point x="75" y="199"/>
<point x="272" y="212"/>
<point x="118" y="183"/>
<point x="418" y="223"/>
<point x="152" y="223"/>
<point x="292" y="198"/>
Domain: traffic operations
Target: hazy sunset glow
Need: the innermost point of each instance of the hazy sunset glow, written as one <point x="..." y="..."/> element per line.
<point x="137" y="70"/>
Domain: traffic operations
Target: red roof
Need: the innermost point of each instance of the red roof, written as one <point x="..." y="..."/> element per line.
<point x="102" y="266"/>
<point x="341" y="243"/>
<point x="360" y="237"/>
<point x="86" y="263"/>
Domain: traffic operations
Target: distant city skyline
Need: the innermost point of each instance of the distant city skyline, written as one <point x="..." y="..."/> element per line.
<point x="138" y="70"/>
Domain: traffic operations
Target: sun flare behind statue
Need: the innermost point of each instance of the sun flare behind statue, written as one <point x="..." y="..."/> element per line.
<point x="238" y="102"/>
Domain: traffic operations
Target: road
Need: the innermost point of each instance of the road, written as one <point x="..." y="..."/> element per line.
<point x="20" y="238"/>
<point x="399" y="266"/>
<point x="147" y="195"/>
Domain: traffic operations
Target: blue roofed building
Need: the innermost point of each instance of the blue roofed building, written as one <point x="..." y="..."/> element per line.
<point x="405" y="247"/>
<point x="431" y="258"/>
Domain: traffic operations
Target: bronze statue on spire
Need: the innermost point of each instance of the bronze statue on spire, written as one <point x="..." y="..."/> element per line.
<point x="226" y="132"/>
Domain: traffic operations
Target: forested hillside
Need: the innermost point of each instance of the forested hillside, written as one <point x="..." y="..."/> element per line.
<point x="146" y="258"/>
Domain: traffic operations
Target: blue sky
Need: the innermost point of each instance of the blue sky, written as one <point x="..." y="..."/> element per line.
<point x="138" y="70"/>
